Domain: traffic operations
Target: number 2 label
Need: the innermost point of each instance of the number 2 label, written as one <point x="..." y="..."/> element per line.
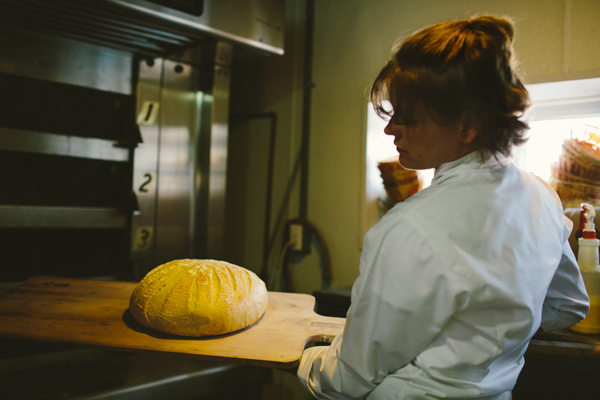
<point x="146" y="182"/>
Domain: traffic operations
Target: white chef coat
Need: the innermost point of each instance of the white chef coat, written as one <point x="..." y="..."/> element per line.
<point x="453" y="284"/>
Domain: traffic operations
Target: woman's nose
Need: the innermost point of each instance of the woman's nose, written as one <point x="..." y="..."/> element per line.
<point x="390" y="129"/>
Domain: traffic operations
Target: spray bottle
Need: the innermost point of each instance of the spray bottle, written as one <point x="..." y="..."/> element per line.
<point x="588" y="260"/>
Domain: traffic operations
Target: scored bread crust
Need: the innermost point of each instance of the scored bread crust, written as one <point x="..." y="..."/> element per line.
<point x="198" y="298"/>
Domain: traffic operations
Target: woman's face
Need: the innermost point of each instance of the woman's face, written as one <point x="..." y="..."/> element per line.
<point x="422" y="143"/>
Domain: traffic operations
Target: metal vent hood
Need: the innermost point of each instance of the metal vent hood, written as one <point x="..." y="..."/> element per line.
<point x="153" y="27"/>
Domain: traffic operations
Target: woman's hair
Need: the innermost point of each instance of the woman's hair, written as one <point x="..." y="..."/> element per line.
<point x="458" y="68"/>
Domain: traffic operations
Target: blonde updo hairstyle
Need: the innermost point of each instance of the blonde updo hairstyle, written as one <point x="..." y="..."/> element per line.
<point x="459" y="68"/>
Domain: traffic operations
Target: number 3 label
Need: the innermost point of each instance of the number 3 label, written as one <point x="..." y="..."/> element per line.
<point x="143" y="238"/>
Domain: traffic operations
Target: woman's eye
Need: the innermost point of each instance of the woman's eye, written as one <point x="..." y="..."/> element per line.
<point x="405" y="122"/>
<point x="397" y="120"/>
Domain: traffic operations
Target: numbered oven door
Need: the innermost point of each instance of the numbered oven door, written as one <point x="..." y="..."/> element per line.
<point x="166" y="173"/>
<point x="180" y="166"/>
<point x="145" y="169"/>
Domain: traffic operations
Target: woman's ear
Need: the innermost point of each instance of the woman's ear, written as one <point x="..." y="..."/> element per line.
<point x="469" y="127"/>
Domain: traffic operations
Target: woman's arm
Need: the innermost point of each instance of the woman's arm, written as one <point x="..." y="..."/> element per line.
<point x="400" y="302"/>
<point x="567" y="301"/>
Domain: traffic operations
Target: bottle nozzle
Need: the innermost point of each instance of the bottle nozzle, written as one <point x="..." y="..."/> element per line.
<point x="587" y="220"/>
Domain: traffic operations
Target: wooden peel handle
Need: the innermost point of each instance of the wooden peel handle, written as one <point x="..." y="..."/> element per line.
<point x="325" y="329"/>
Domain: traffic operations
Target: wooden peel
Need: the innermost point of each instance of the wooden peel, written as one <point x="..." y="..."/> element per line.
<point x="95" y="313"/>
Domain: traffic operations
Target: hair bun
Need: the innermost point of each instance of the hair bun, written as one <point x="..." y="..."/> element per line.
<point x="499" y="28"/>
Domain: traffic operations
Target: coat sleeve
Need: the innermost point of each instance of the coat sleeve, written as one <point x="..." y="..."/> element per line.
<point x="400" y="302"/>
<point x="567" y="301"/>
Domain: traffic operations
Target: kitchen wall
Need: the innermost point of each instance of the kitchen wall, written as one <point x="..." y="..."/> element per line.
<point x="555" y="40"/>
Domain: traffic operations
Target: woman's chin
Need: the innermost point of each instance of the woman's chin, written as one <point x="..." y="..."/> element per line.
<point x="406" y="164"/>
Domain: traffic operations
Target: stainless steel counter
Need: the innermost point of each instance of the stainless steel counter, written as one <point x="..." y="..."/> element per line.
<point x="31" y="370"/>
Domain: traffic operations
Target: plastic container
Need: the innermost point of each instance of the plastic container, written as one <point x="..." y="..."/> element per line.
<point x="562" y="175"/>
<point x="576" y="167"/>
<point x="576" y="191"/>
<point x="589" y="263"/>
<point x="399" y="183"/>
<point x="591" y="324"/>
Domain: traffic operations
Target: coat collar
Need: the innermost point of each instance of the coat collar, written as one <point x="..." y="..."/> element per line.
<point x="472" y="161"/>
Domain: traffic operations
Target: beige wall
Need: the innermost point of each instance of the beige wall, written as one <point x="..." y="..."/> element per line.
<point x="353" y="41"/>
<point x="555" y="40"/>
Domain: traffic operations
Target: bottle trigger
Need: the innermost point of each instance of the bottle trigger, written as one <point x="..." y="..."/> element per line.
<point x="587" y="215"/>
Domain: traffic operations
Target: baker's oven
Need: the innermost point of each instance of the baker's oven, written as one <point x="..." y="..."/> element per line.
<point x="113" y="130"/>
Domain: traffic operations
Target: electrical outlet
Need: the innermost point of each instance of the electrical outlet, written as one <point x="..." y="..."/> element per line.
<point x="296" y="236"/>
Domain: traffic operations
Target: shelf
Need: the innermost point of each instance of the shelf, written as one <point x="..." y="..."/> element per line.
<point x="61" y="145"/>
<point x="13" y="216"/>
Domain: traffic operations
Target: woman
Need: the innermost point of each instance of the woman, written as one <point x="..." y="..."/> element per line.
<point x="456" y="280"/>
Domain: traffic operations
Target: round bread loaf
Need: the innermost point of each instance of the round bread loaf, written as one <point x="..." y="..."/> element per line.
<point x="198" y="298"/>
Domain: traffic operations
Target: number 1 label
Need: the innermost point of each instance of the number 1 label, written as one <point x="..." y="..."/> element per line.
<point x="148" y="113"/>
